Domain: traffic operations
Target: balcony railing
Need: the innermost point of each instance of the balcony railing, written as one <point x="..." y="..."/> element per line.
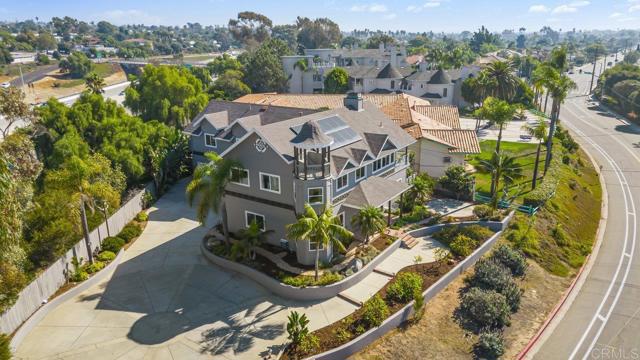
<point x="312" y="171"/>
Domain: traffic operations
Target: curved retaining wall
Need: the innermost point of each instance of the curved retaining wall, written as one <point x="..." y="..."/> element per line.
<point x="35" y="319"/>
<point x="297" y="293"/>
<point x="405" y="313"/>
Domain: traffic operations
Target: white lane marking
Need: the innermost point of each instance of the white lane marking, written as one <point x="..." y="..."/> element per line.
<point x="628" y="202"/>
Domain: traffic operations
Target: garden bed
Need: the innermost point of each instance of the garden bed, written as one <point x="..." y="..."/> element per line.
<point x="341" y="332"/>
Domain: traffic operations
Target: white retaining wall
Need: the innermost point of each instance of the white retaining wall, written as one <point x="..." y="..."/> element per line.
<point x="50" y="280"/>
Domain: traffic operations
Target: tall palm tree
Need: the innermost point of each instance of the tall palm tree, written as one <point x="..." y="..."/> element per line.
<point x="559" y="90"/>
<point x="95" y="83"/>
<point x="370" y="220"/>
<point x="498" y="112"/>
<point x="208" y="185"/>
<point x="505" y="80"/>
<point x="538" y="131"/>
<point x="421" y="188"/>
<point x="250" y="238"/>
<point x="301" y="64"/>
<point x="322" y="229"/>
<point x="501" y="167"/>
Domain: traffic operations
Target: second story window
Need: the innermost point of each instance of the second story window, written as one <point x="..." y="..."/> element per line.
<point x="383" y="162"/>
<point x="315" y="196"/>
<point x="444" y="92"/>
<point x="270" y="183"/>
<point x="342" y="182"/>
<point x="210" y="140"/>
<point x="361" y="173"/>
<point x="240" y="176"/>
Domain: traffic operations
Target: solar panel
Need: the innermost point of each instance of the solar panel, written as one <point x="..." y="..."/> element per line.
<point x="335" y="127"/>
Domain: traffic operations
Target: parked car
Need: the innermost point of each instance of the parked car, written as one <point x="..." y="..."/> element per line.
<point x="5" y="85"/>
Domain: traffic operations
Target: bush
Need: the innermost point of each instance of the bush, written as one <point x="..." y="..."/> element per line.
<point x="112" y="243"/>
<point x="490" y="274"/>
<point x="304" y="280"/>
<point x="483" y="211"/>
<point x="106" y="256"/>
<point x="462" y="245"/>
<point x="93" y="268"/>
<point x="309" y="344"/>
<point x="5" y="350"/>
<point x="512" y="259"/>
<point x="12" y="280"/>
<point x="78" y="276"/>
<point x="484" y="308"/>
<point x="297" y="327"/>
<point x="477" y="233"/>
<point x="142" y="216"/>
<point x="130" y="231"/>
<point x="513" y="294"/>
<point x="375" y="312"/>
<point x="490" y="345"/>
<point x="404" y="287"/>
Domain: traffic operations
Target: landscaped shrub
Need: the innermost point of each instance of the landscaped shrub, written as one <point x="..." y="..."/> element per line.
<point x="477" y="233"/>
<point x="483" y="211"/>
<point x="78" y="276"/>
<point x="404" y="287"/>
<point x="106" y="256"/>
<point x="130" y="231"/>
<point x="309" y="344"/>
<point x="305" y="280"/>
<point x="12" y="280"/>
<point x="112" y="243"/>
<point x="297" y="327"/>
<point x="375" y="312"/>
<point x="490" y="345"/>
<point x="491" y="275"/>
<point x="5" y="350"/>
<point x="462" y="245"/>
<point x="512" y="259"/>
<point x="142" y="216"/>
<point x="484" y="308"/>
<point x="93" y="268"/>
<point x="513" y="294"/>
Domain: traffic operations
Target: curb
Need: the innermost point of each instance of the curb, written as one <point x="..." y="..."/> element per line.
<point x="44" y="310"/>
<point x="556" y="315"/>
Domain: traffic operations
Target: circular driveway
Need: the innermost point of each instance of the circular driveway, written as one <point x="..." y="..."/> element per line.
<point x="166" y="301"/>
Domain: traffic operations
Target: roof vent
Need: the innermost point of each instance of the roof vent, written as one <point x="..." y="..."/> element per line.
<point x="354" y="101"/>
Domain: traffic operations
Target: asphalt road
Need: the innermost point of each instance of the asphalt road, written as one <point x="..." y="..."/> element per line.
<point x="603" y="322"/>
<point x="34" y="75"/>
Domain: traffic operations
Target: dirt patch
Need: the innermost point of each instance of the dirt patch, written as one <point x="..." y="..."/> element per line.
<point x="5" y="78"/>
<point x="435" y="336"/>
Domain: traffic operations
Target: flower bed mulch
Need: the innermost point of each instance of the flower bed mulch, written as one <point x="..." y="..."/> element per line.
<point x="328" y="336"/>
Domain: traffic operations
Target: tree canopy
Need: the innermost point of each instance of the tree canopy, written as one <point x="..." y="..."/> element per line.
<point x="77" y="64"/>
<point x="336" y="81"/>
<point x="318" y="33"/>
<point x="263" y="67"/>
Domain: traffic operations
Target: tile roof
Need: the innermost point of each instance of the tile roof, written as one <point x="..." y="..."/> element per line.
<point x="462" y="141"/>
<point x="389" y="72"/>
<point x="375" y="191"/>
<point x="445" y="115"/>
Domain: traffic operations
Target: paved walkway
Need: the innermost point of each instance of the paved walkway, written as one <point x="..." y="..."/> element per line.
<point x="165" y="301"/>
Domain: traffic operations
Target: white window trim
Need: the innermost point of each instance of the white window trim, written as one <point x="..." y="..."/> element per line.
<point x="269" y="190"/>
<point x="308" y="196"/>
<point x="215" y="141"/>
<point x="246" y="219"/>
<point x="320" y="248"/>
<point x="364" y="168"/>
<point x="346" y="184"/>
<point x="248" y="184"/>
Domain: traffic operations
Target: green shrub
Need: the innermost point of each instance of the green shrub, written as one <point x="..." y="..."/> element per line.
<point x="112" y="243"/>
<point x="483" y="211"/>
<point x="462" y="245"/>
<point x="309" y="344"/>
<point x="5" y="349"/>
<point x="491" y="275"/>
<point x="12" y="281"/>
<point x="512" y="259"/>
<point x="403" y="288"/>
<point x="375" y="312"/>
<point x="129" y="232"/>
<point x="78" y="276"/>
<point x="475" y="232"/>
<point x="142" y="216"/>
<point x="490" y="345"/>
<point x="513" y="294"/>
<point x="343" y="335"/>
<point x="93" y="268"/>
<point x="297" y="327"/>
<point x="106" y="256"/>
<point x="305" y="281"/>
<point x="418" y="305"/>
<point x="484" y="308"/>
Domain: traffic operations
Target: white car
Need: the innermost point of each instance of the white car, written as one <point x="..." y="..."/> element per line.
<point x="5" y="85"/>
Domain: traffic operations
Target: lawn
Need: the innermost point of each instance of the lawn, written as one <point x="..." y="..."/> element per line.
<point x="525" y="155"/>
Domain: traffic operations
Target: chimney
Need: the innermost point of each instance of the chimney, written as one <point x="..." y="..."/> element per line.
<point x="354" y="101"/>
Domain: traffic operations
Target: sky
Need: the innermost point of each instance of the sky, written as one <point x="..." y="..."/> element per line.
<point x="410" y="15"/>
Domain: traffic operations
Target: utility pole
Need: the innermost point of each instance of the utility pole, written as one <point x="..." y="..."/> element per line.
<point x="85" y="230"/>
<point x="21" y="77"/>
<point x="593" y="73"/>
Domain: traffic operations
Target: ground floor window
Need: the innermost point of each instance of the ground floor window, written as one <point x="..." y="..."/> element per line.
<point x="315" y="196"/>
<point x="251" y="217"/>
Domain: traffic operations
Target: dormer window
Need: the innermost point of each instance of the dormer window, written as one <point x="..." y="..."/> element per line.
<point x="342" y="182"/>
<point x="210" y="140"/>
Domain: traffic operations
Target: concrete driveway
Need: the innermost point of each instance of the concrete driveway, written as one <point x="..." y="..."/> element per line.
<point x="166" y="301"/>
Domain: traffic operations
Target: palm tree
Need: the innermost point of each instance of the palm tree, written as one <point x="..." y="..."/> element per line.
<point x="559" y="90"/>
<point x="422" y="188"/>
<point x="208" y="184"/>
<point x="95" y="83"/>
<point x="546" y="74"/>
<point x="498" y="112"/>
<point x="505" y="81"/>
<point x="301" y="64"/>
<point x="501" y="167"/>
<point x="370" y="220"/>
<point x="538" y="131"/>
<point x="250" y="238"/>
<point x="320" y="229"/>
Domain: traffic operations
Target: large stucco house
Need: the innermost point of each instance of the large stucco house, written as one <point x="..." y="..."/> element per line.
<point x="349" y="156"/>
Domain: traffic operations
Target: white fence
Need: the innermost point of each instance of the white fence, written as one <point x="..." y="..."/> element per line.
<point x="50" y="280"/>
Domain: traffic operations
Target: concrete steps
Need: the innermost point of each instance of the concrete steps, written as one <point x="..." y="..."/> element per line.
<point x="349" y="299"/>
<point x="409" y="241"/>
<point x="384" y="272"/>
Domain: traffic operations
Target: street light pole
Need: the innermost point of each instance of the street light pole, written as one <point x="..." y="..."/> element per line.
<point x="593" y="73"/>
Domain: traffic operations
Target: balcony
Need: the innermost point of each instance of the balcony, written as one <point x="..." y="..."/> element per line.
<point x="311" y="172"/>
